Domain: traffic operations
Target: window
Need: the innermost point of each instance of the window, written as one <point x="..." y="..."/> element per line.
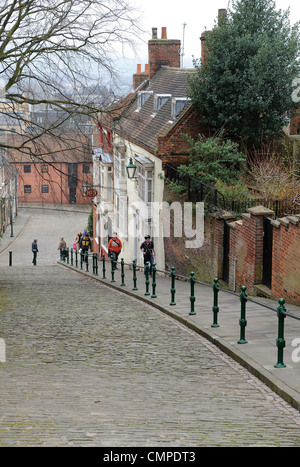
<point x="27" y="188"/>
<point x="122" y="215"/>
<point x="86" y="168"/>
<point x="45" y="168"/>
<point x="109" y="184"/>
<point x="143" y="96"/>
<point x="160" y="100"/>
<point x="45" y="188"/>
<point x="27" y="169"/>
<point x="120" y="169"/>
<point x="178" y="104"/>
<point x="145" y="184"/>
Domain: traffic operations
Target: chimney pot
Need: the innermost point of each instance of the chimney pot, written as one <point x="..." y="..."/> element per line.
<point x="154" y="33"/>
<point x="147" y="69"/>
<point x="139" y="69"/>
<point x="164" y="33"/>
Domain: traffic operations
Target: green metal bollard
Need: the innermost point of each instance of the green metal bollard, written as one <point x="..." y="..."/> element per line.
<point x="72" y="258"/>
<point x="96" y="264"/>
<point x="112" y="269"/>
<point x="68" y="261"/>
<point x="173" y="290"/>
<point x="81" y="260"/>
<point x="280" y="341"/>
<point x="134" y="275"/>
<point x="147" y="282"/>
<point x="243" y="321"/>
<point x="103" y="266"/>
<point x="215" y="307"/>
<point x="10" y="257"/>
<point x="122" y="272"/>
<point x="76" y="258"/>
<point x="87" y="262"/>
<point x="192" y="297"/>
<point x="154" y="281"/>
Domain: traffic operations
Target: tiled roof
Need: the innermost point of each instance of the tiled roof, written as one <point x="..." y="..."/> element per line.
<point x="144" y="125"/>
<point x="69" y="148"/>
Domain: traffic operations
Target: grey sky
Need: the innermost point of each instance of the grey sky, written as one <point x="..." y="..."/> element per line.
<point x="197" y="14"/>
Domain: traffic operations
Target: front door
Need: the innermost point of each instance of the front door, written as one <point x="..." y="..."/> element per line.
<point x="267" y="252"/>
<point x="226" y="252"/>
<point x="72" y="195"/>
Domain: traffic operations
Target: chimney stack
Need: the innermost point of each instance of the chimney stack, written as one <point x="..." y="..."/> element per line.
<point x="222" y="13"/>
<point x="162" y="52"/>
<point x="139" y="77"/>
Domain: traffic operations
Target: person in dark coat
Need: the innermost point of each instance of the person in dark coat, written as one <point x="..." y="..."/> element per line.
<point x="35" y="250"/>
<point x="147" y="249"/>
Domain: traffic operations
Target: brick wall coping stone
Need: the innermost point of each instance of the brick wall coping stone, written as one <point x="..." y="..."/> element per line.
<point x="260" y="211"/>
<point x="223" y="215"/>
<point x="286" y="221"/>
<point x="232" y="225"/>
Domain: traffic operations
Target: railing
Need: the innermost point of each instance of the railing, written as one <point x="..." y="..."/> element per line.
<point x="196" y="190"/>
<point x="199" y="191"/>
<point x="81" y="260"/>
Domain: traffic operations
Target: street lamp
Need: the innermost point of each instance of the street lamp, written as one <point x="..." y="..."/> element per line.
<point x="131" y="170"/>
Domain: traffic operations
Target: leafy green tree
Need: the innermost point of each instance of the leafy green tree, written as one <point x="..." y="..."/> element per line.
<point x="212" y="159"/>
<point x="245" y="83"/>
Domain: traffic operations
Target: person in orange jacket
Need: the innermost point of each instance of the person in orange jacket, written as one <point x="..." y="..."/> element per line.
<point x="114" y="248"/>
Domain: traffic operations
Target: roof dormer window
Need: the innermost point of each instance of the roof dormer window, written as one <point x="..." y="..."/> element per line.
<point x="143" y="96"/>
<point x="178" y="104"/>
<point x="160" y="100"/>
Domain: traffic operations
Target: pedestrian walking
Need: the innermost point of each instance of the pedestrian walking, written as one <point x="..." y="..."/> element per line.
<point x="147" y="249"/>
<point x="34" y="248"/>
<point x="77" y="241"/>
<point x="114" y="249"/>
<point x="63" y="249"/>
<point x="85" y="245"/>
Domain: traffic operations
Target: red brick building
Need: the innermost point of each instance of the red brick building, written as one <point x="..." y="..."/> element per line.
<point x="53" y="170"/>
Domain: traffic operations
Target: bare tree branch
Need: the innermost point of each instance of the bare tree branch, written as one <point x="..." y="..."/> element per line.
<point x="52" y="51"/>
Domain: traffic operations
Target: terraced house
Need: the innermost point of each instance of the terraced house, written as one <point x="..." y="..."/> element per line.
<point x="148" y="133"/>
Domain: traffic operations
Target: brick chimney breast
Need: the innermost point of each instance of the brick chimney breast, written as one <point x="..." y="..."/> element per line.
<point x="162" y="52"/>
<point x="139" y="77"/>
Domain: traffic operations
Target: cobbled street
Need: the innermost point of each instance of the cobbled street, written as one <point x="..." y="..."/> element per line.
<point x="89" y="366"/>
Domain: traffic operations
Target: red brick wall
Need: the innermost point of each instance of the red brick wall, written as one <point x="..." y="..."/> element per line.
<point x="163" y="52"/>
<point x="174" y="148"/>
<point x="286" y="259"/>
<point x="295" y="124"/>
<point x="207" y="260"/>
<point x="246" y="249"/>
<point x="57" y="181"/>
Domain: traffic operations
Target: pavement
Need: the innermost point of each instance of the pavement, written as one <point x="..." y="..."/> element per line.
<point x="258" y="355"/>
